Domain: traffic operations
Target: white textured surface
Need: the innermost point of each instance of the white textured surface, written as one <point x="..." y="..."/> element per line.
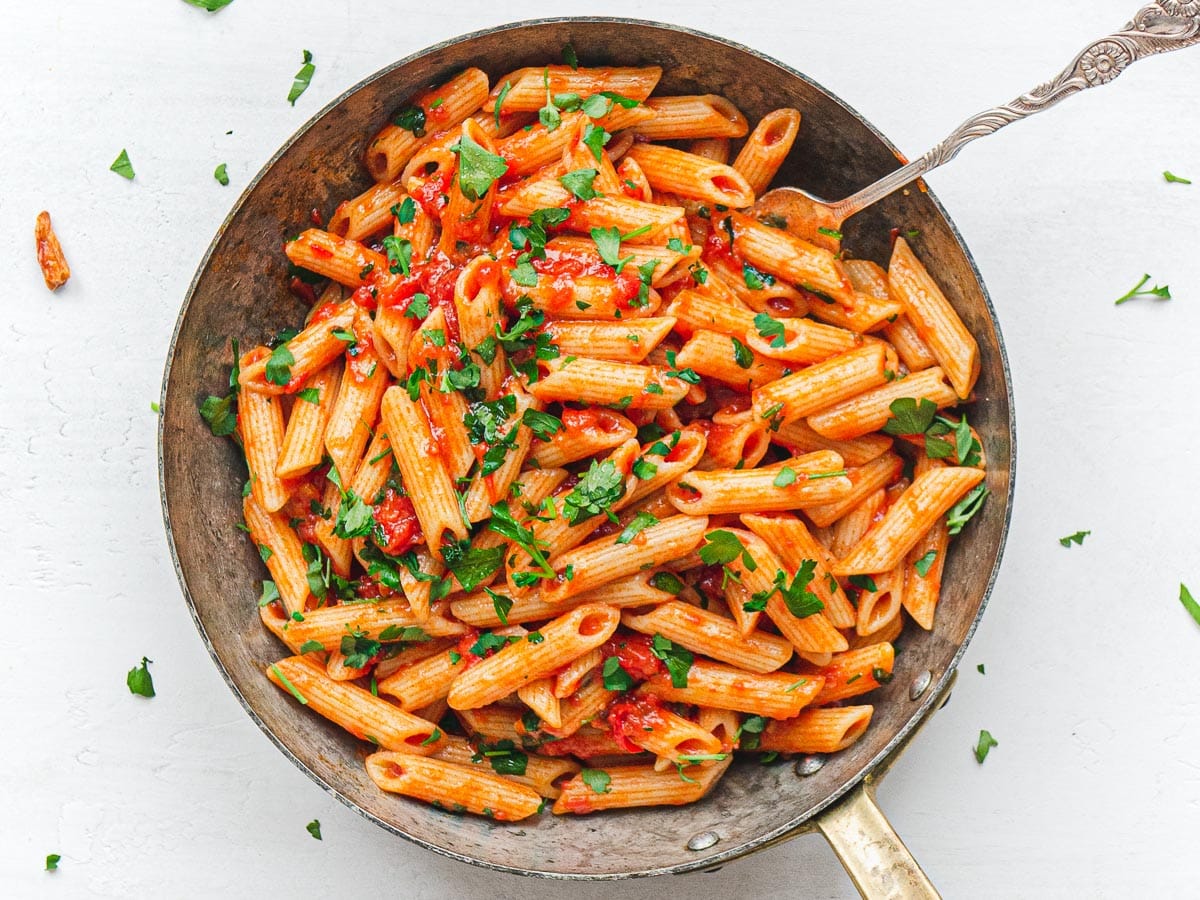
<point x="1091" y="684"/>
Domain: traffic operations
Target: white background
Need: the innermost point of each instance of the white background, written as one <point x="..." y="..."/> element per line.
<point x="1091" y="685"/>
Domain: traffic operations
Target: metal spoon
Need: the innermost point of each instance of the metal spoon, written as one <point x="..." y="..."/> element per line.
<point x="1157" y="28"/>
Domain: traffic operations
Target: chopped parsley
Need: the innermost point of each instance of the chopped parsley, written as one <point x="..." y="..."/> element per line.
<point x="599" y="488"/>
<point x="786" y="476"/>
<point x="501" y="604"/>
<point x="52" y="859"/>
<point x="594" y="138"/>
<point x="1172" y="178"/>
<point x="615" y="677"/>
<point x="399" y="253"/>
<point x="279" y="365"/>
<point x="472" y="565"/>
<point x="478" y="169"/>
<point x="580" y="183"/>
<point x="964" y="509"/>
<point x="770" y="328"/>
<point x="755" y="279"/>
<point x="925" y="563"/>
<point x="221" y="175"/>
<point x="314" y="828"/>
<point x="742" y="354"/>
<point x="639" y="523"/>
<point x="411" y="118"/>
<point x="503" y="756"/>
<point x="665" y="581"/>
<point x="677" y="659"/>
<point x="597" y="779"/>
<point x="722" y="547"/>
<point x="505" y="525"/>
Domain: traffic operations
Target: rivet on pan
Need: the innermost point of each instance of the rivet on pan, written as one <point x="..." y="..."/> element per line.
<point x="809" y="765"/>
<point x="920" y="684"/>
<point x="703" y="840"/>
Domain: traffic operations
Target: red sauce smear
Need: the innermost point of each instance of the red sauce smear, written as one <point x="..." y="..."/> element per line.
<point x="565" y="266"/>
<point x="432" y="195"/>
<point x="634" y="716"/>
<point x="634" y="652"/>
<point x="397" y="523"/>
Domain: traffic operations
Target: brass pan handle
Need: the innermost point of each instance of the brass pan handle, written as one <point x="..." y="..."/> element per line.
<point x="874" y="856"/>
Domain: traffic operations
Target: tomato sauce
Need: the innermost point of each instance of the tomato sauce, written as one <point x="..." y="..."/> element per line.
<point x="432" y="195"/>
<point x="397" y="524"/>
<point x="634" y="716"/>
<point x="565" y="266"/>
<point x="635" y="654"/>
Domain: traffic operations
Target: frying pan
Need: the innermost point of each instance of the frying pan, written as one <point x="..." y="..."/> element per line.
<point x="239" y="291"/>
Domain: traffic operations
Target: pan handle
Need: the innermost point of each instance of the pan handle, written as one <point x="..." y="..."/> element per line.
<point x="874" y="856"/>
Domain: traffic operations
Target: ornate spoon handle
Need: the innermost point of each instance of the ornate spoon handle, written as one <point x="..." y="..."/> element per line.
<point x="1157" y="28"/>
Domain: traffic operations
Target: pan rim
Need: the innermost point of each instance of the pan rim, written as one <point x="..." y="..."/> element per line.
<point x="932" y="694"/>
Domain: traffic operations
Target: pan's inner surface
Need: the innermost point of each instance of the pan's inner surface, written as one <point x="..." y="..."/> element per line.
<point x="241" y="293"/>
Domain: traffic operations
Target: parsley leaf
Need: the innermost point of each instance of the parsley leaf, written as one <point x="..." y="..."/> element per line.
<point x="665" y="581"/>
<point x="742" y="354"/>
<point x="405" y="211"/>
<point x="359" y="649"/>
<point x="279" y="365"/>
<point x="569" y="57"/>
<point x="504" y="91"/>
<point x="122" y="166"/>
<point x="504" y="757"/>
<point x="801" y="602"/>
<point x="864" y="583"/>
<point x="722" y="547"/>
<point x="608" y="242"/>
<point x="597" y="779"/>
<point x="678" y="659"/>
<point x="755" y="279"/>
<point x="1163" y="293"/>
<point x="615" y="677"/>
<point x="219" y="414"/>
<point x="314" y="828"/>
<point x="1171" y="178"/>
<point x="548" y="115"/>
<point x="599" y="488"/>
<point x="639" y="523"/>
<point x="786" y="476"/>
<point x="594" y="138"/>
<point x="477" y="168"/>
<point x="501" y="604"/>
<point x="354" y="517"/>
<point x="472" y="565"/>
<point x="580" y="183"/>
<point x="303" y="77"/>
<point x="910" y="416"/>
<point x="399" y="253"/>
<point x="411" y="118"/>
<point x="1076" y="538"/>
<point x="210" y="5"/>
<point x="139" y="681"/>
<point x="311" y="647"/>
<point x="770" y="328"/>
<point x="986" y="743"/>
<point x="1189" y="603"/>
<point x="541" y="423"/>
<point x="418" y="306"/>
<point x="964" y="509"/>
<point x="505" y="525"/>
<point x="309" y="395"/>
<point x="925" y="563"/>
<point x="221" y="174"/>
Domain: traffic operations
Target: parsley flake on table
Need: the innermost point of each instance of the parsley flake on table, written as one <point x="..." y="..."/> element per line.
<point x="314" y="828"/>
<point x="1189" y="603"/>
<point x="1163" y="293"/>
<point x="597" y="779"/>
<point x="221" y="174"/>
<point x="52" y="862"/>
<point x="980" y="669"/>
<point x="986" y="743"/>
<point x="1076" y="538"/>
<point x="139" y="681"/>
<point x="122" y="166"/>
<point x="478" y="168"/>
<point x="1172" y="178"/>
<point x="302" y="79"/>
<point x="210" y="5"/>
